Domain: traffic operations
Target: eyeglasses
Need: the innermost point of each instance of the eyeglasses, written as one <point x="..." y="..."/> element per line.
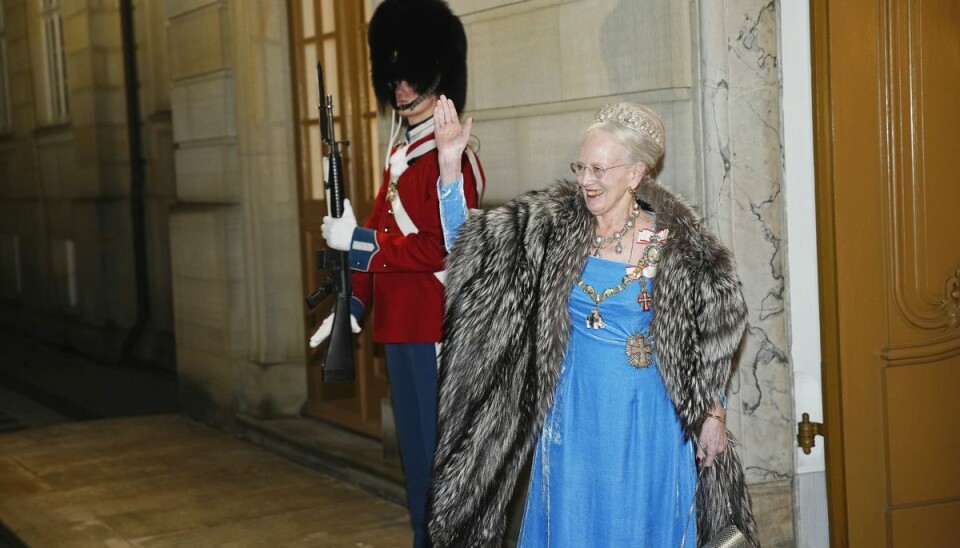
<point x="596" y="171"/>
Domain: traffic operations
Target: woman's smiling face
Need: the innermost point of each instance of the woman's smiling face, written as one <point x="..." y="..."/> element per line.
<point x="607" y="196"/>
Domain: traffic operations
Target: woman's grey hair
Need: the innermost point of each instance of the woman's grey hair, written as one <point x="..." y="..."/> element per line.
<point x="638" y="128"/>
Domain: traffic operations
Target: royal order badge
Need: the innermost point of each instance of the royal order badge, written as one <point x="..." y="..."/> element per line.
<point x="639" y="350"/>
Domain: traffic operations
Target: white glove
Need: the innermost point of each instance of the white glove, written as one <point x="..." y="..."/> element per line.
<point x="324" y="330"/>
<point x="339" y="232"/>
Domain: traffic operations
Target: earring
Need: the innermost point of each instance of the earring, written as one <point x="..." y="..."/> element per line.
<point x="632" y="191"/>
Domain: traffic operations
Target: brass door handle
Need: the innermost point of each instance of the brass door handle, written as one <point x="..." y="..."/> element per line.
<point x="807" y="432"/>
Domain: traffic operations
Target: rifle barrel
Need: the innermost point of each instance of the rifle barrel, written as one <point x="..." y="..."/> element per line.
<point x="339" y="362"/>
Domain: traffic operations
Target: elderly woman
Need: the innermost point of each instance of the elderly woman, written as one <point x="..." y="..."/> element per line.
<point x="599" y="317"/>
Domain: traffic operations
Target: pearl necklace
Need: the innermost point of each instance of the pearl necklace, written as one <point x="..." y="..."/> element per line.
<point x="599" y="242"/>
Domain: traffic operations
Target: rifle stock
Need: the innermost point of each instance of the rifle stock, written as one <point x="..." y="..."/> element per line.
<point x="339" y="362"/>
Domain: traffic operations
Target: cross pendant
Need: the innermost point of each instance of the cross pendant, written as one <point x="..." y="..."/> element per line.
<point x="644" y="300"/>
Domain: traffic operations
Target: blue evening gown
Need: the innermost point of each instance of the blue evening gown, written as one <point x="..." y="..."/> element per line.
<point x="611" y="466"/>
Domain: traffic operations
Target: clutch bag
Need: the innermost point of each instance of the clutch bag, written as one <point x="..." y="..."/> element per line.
<point x="728" y="537"/>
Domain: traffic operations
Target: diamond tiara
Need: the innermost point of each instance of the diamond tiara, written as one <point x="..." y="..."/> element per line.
<point x="636" y="120"/>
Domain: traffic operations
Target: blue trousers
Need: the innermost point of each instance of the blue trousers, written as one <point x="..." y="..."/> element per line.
<point x="413" y="388"/>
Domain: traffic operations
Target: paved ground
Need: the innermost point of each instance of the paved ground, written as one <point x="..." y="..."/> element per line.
<point x="165" y="480"/>
<point x="95" y="455"/>
<point x="71" y="387"/>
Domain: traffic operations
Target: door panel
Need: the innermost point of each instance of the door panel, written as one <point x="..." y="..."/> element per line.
<point x="886" y="83"/>
<point x="923" y="442"/>
<point x="927" y="527"/>
<point x="923" y="84"/>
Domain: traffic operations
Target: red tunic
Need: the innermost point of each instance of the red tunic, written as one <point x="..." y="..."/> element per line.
<point x="399" y="278"/>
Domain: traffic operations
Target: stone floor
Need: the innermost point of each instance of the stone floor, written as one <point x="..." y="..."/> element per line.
<point x="96" y="454"/>
<point x="164" y="480"/>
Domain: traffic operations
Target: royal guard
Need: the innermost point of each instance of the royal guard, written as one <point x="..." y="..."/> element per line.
<point x="418" y="51"/>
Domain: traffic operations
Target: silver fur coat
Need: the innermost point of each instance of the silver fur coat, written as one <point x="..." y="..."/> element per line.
<point x="506" y="331"/>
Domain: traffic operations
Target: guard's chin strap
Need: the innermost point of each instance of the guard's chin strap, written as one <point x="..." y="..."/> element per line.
<point x="412" y="104"/>
<point x="420" y="98"/>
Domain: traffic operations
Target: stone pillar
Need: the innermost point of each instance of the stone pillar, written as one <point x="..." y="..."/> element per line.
<point x="234" y="239"/>
<point x="206" y="238"/>
<point x="737" y="102"/>
<point x="275" y="372"/>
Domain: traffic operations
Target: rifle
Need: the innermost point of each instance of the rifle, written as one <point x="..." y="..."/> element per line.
<point x="339" y="363"/>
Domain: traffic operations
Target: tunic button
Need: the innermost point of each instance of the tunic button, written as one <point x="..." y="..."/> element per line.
<point x="386" y="229"/>
<point x="390" y="211"/>
<point x="384" y="265"/>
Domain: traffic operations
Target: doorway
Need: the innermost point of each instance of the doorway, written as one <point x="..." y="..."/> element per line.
<point x="334" y="32"/>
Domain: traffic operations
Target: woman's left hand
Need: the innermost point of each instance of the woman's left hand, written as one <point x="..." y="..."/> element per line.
<point x="713" y="438"/>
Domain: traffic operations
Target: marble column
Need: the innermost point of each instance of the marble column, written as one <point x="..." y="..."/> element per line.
<point x="737" y="108"/>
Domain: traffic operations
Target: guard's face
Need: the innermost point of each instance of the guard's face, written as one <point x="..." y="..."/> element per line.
<point x="606" y="175"/>
<point x="404" y="94"/>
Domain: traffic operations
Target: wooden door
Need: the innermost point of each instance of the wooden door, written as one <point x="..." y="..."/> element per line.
<point x="886" y="92"/>
<point x="334" y="32"/>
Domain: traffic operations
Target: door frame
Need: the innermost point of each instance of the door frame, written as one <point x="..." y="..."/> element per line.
<point x="828" y="289"/>
<point x="802" y="262"/>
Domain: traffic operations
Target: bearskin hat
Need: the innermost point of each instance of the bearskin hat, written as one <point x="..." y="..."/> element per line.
<point x="421" y="42"/>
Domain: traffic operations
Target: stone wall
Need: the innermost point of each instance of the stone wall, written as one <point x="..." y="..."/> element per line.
<point x="66" y="221"/>
<point x="538" y="71"/>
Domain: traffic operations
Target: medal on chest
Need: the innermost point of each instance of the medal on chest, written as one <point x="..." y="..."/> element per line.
<point x="649" y="260"/>
<point x="644" y="299"/>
